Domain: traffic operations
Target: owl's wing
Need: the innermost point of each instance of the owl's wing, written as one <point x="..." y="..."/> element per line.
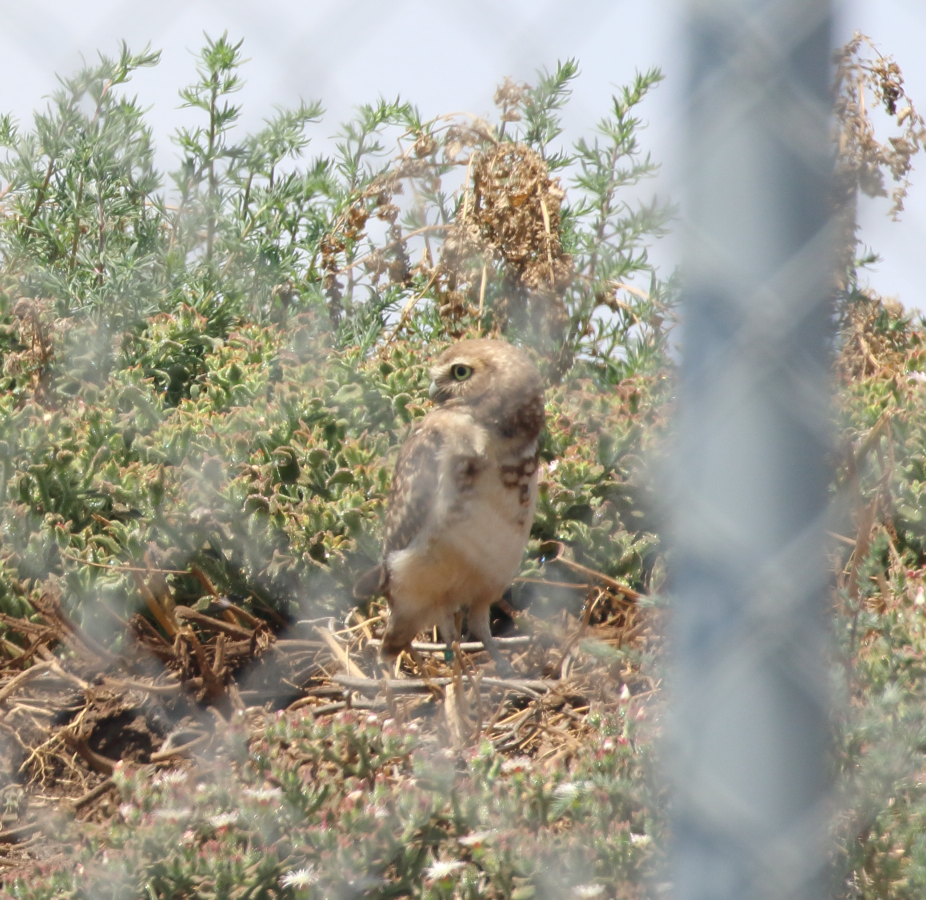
<point x="412" y="496"/>
<point x="414" y="487"/>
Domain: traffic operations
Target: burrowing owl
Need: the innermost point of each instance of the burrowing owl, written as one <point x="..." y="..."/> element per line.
<point x="463" y="496"/>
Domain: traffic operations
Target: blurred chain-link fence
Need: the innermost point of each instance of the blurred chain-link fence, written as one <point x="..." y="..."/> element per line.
<point x="219" y="310"/>
<point x="755" y="432"/>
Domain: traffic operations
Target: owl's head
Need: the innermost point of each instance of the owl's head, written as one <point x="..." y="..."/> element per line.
<point x="497" y="381"/>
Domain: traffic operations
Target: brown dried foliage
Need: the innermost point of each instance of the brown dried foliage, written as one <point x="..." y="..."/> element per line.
<point x="868" y="349"/>
<point x="517" y="211"/>
<point x="36" y="326"/>
<point x="862" y="160"/>
<point x="506" y="230"/>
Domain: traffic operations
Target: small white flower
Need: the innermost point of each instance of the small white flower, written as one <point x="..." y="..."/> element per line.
<point x="172" y="815"/>
<point x="516" y="764"/>
<point x="263" y="795"/>
<point x="299" y="878"/>
<point x="476" y="839"/>
<point x="587" y="891"/>
<point x="170" y="777"/>
<point x="920" y="598"/>
<point x="570" y="789"/>
<point x="640" y="840"/>
<point x="223" y="820"/>
<point x="566" y="791"/>
<point x="442" y="869"/>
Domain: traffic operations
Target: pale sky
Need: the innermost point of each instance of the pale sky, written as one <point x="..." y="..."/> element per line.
<point x="443" y="58"/>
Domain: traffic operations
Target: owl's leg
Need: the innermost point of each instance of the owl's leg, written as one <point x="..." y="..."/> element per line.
<point x="479" y="626"/>
<point x="449" y="627"/>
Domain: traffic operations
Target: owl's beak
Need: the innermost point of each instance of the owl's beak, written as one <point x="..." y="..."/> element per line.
<point x="432" y="390"/>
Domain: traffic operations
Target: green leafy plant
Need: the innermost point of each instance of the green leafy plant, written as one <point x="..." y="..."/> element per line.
<point x="311" y="809"/>
<point x="238" y="411"/>
<point x="207" y="377"/>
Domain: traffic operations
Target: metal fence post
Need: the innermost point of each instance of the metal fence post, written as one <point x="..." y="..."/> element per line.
<point x="750" y="716"/>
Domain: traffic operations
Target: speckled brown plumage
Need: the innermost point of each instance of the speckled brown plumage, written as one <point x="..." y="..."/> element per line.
<point x="413" y="485"/>
<point x="463" y="495"/>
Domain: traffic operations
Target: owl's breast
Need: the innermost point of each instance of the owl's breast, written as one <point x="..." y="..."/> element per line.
<point x="471" y="543"/>
<point x="484" y="518"/>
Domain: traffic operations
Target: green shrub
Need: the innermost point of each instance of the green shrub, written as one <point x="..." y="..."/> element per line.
<point x="311" y="809"/>
<point x="219" y="379"/>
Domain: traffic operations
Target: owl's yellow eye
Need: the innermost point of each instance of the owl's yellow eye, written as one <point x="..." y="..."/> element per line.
<point x="461" y="372"/>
